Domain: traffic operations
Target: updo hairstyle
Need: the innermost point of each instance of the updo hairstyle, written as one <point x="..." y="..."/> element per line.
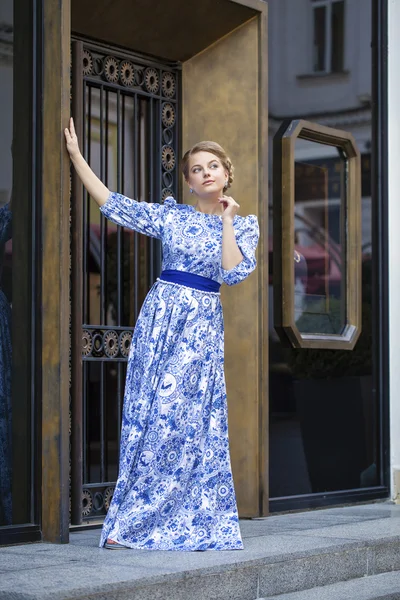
<point x="215" y="149"/>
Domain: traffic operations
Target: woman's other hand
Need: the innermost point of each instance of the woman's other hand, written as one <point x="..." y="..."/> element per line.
<point x="230" y="207"/>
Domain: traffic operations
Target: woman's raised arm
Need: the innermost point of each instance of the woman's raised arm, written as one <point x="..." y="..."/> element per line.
<point x="97" y="190"/>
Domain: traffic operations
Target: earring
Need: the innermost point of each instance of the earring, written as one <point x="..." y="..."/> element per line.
<point x="191" y="191"/>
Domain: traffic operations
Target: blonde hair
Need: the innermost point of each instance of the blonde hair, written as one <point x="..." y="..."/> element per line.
<point x="213" y="148"/>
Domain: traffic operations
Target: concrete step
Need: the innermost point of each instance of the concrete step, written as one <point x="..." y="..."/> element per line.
<point x="376" y="587"/>
<point x="283" y="555"/>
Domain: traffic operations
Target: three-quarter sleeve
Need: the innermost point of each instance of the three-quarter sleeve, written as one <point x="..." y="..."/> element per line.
<point x="247" y="240"/>
<point x="143" y="217"/>
<point x="5" y="224"/>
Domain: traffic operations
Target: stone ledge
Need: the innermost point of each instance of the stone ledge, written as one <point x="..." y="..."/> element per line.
<point x="377" y="587"/>
<point x="282" y="554"/>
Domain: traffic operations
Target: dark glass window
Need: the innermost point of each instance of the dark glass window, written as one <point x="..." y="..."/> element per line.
<point x="328" y="32"/>
<point x="324" y="409"/>
<point x="319" y="38"/>
<point x="337" y="36"/>
<point x="16" y="336"/>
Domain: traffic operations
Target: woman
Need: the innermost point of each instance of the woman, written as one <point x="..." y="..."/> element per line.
<point x="175" y="488"/>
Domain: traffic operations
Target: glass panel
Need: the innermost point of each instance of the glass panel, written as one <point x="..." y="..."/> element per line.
<point x="337" y="36"/>
<point x="324" y="406"/>
<point x="6" y="114"/>
<point x="15" y="293"/>
<point x="319" y="38"/>
<point x="319" y="259"/>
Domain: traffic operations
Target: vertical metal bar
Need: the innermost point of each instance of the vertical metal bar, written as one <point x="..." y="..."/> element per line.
<point x="159" y="181"/>
<point x="102" y="219"/>
<point x="85" y="470"/>
<point x="105" y="152"/>
<point x="86" y="238"/>
<point x="151" y="183"/>
<point x="120" y="391"/>
<point x="136" y="121"/>
<point x="77" y="220"/>
<point x="122" y="190"/>
<point x="380" y="237"/>
<point x="120" y="297"/>
<point x="106" y="181"/>
<point x="102" y="422"/>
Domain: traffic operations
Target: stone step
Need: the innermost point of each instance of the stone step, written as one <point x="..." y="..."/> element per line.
<point x="283" y="554"/>
<point x="385" y="586"/>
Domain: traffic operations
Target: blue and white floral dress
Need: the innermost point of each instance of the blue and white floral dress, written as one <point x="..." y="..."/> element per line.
<point x="175" y="488"/>
<point x="5" y="381"/>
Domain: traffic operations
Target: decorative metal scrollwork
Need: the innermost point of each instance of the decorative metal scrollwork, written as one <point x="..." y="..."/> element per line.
<point x="168" y="158"/>
<point x="168" y="85"/>
<point x="110" y="340"/>
<point x="107" y="342"/>
<point x="98" y="343"/>
<point x="87" y="342"/>
<point x="98" y="501"/>
<point x="168" y="136"/>
<point x="87" y="63"/>
<point x="111" y="69"/>
<point x="168" y="115"/>
<point x="139" y="77"/>
<point x="165" y="193"/>
<point x="167" y="179"/>
<point x="127" y="73"/>
<point x="108" y="494"/>
<point x="151" y="80"/>
<point x="98" y="66"/>
<point x="125" y="340"/>
<point x="87" y="503"/>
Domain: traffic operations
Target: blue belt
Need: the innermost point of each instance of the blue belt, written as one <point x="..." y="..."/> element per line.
<point x="196" y="282"/>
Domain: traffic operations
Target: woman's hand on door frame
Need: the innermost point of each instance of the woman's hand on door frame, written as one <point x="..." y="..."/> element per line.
<point x="71" y="140"/>
<point x="96" y="188"/>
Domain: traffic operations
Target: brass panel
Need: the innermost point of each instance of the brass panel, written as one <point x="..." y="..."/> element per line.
<point x="216" y="107"/>
<point x="175" y="32"/>
<point x="55" y="268"/>
<point x="284" y="235"/>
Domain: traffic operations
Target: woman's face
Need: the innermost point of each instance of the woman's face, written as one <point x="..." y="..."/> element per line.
<point x="207" y="176"/>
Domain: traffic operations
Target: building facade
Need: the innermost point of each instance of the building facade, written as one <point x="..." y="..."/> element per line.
<point x="303" y="95"/>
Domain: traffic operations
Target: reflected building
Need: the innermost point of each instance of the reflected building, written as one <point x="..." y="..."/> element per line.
<point x="323" y="412"/>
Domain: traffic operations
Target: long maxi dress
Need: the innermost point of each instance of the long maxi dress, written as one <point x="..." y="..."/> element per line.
<point x="175" y="488"/>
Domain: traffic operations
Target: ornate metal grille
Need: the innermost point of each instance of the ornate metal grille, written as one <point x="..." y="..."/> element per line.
<point x="125" y="109"/>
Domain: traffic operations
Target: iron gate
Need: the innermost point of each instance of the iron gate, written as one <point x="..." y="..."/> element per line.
<point x="125" y="110"/>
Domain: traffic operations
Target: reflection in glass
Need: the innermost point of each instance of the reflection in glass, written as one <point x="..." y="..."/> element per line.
<point x="319" y="38"/>
<point x="6" y="119"/>
<point x="5" y="380"/>
<point x="324" y="413"/>
<point x="16" y="377"/>
<point x="337" y="36"/>
<point x="319" y="265"/>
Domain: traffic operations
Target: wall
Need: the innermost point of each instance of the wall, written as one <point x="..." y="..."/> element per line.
<point x="216" y="107"/>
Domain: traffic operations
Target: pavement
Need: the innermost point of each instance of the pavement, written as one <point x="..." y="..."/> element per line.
<point x="297" y="556"/>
